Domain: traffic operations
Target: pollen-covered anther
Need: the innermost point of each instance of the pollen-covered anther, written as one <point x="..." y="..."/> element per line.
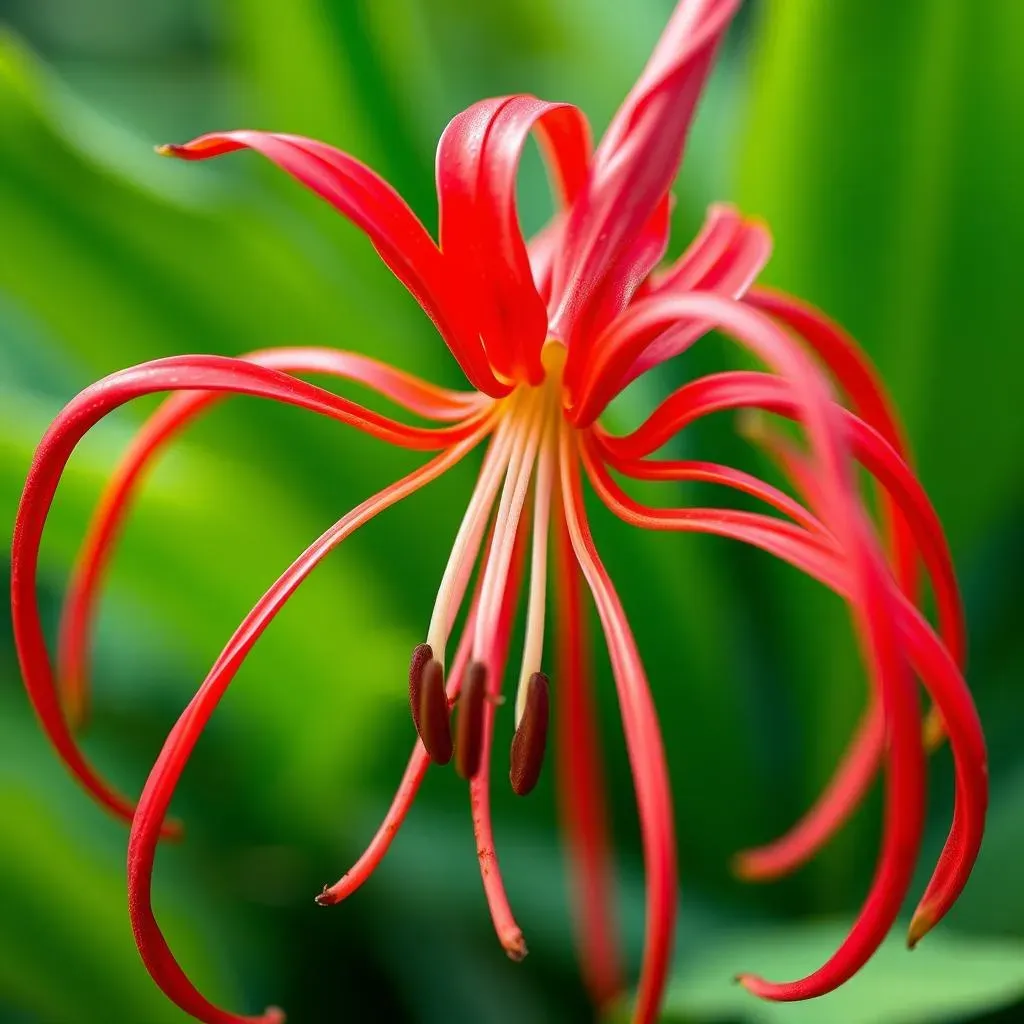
<point x="531" y="736"/>
<point x="469" y="726"/>
<point x="428" y="703"/>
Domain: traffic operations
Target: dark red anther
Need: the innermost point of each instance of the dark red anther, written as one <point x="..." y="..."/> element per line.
<point x="469" y="729"/>
<point x="420" y="656"/>
<point x="429" y="704"/>
<point x="531" y="738"/>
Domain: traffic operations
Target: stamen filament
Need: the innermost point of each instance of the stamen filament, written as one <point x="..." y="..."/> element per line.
<point x="533" y="644"/>
<point x="510" y="508"/>
<point x="505" y="926"/>
<point x="469" y="537"/>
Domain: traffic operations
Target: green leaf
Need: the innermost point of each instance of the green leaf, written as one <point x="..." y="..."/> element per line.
<point x="946" y="978"/>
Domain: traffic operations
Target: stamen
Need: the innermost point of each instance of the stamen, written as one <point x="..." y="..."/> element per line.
<point x="469" y="538"/>
<point x="530" y="740"/>
<point x="434" y="725"/>
<point x="533" y="645"/>
<point x="470" y="721"/>
<point x="506" y="527"/>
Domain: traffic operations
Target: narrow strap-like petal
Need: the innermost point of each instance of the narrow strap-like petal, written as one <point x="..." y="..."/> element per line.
<point x="689" y="470"/>
<point x="929" y="658"/>
<point x="477" y="170"/>
<point x="857" y="377"/>
<point x="376" y="208"/>
<point x="178" y="373"/>
<point x="652" y="330"/>
<point x="731" y="275"/>
<point x="872" y="598"/>
<point x="941" y="673"/>
<point x="722" y="225"/>
<point x="852" y="370"/>
<point x="171" y="762"/>
<point x="861" y="760"/>
<point x="643" y="742"/>
<point x="638" y="158"/>
<point x="176" y="413"/>
<point x="624" y="278"/>
<point x="748" y="389"/>
<point x="743" y="390"/>
<point x="776" y="536"/>
<point x="581" y="786"/>
<point x="565" y="145"/>
<point x="855" y="374"/>
<point x="726" y="256"/>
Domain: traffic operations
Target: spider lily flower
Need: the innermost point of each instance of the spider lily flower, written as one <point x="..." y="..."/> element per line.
<point x="548" y="332"/>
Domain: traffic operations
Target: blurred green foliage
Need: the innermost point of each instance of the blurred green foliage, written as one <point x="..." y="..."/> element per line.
<point x="882" y="143"/>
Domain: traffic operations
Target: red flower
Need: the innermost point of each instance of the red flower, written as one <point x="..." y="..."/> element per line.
<point x="548" y="333"/>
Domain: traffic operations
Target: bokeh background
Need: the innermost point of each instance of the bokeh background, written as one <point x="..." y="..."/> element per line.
<point x="883" y="143"/>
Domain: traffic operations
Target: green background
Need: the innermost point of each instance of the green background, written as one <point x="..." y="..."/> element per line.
<point x="882" y="141"/>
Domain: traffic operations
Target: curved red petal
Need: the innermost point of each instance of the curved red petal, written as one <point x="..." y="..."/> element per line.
<point x="858" y="378"/>
<point x="171" y="762"/>
<point x="644" y="745"/>
<point x="855" y="374"/>
<point x="731" y="275"/>
<point x="379" y="211"/>
<point x="171" y="418"/>
<point x="178" y="373"/>
<point x="637" y="159"/>
<point x="954" y="703"/>
<point x="625" y="276"/>
<point x="477" y="169"/>
<point x="566" y="146"/>
<point x="714" y="473"/>
<point x="749" y="389"/>
<point x="721" y="226"/>
<point x="649" y="332"/>
<point x="871" y="599"/>
<point x="862" y="759"/>
<point x="944" y="684"/>
<point x="929" y="657"/>
<point x="909" y="503"/>
<point x="581" y="802"/>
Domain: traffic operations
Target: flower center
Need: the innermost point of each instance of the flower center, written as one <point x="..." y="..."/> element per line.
<point x="523" y="452"/>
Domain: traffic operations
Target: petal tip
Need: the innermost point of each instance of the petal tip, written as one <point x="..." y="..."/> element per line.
<point x="515" y="946"/>
<point x="744" y="866"/>
<point x="921" y="924"/>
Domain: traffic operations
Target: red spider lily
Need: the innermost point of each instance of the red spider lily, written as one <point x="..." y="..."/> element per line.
<point x="548" y="332"/>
